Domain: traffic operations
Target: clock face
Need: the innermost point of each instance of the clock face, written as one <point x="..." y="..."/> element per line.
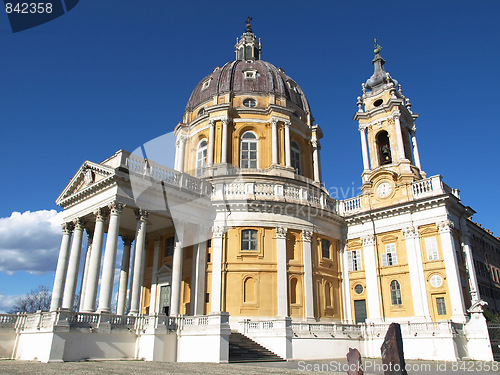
<point x="384" y="189"/>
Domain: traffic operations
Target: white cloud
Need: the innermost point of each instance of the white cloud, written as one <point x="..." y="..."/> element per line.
<point x="30" y="241"/>
<point x="6" y="302"/>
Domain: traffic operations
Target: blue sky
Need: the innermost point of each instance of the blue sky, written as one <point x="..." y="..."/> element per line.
<point x="115" y="74"/>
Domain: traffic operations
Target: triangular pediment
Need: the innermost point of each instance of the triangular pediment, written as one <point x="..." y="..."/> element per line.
<point x="164" y="270"/>
<point x="88" y="176"/>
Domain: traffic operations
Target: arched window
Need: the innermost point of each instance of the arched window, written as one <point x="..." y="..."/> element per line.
<point x="249" y="150"/>
<point x="249" y="239"/>
<point x="295" y="157"/>
<point x="201" y="157"/>
<point x="396" y="293"/>
<point x="384" y="148"/>
<point x="201" y="112"/>
<point x="293" y="290"/>
<point x="249" y="290"/>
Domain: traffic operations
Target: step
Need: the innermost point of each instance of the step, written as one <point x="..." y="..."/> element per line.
<point x="244" y="349"/>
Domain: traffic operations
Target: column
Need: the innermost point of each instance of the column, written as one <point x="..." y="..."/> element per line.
<point x="73" y="266"/>
<point x="471" y="269"/>
<point x="95" y="263"/>
<point x="417" y="276"/>
<point x="62" y="267"/>
<point x="175" y="301"/>
<point x="198" y="302"/>
<point x="399" y="136"/>
<point x="452" y="274"/>
<point x="85" y="271"/>
<point x="364" y="148"/>
<point x="108" y="267"/>
<point x="345" y="283"/>
<point x="288" y="156"/>
<point x="316" y="148"/>
<point x="131" y="278"/>
<point x="282" y="272"/>
<point x="180" y="147"/>
<point x="274" y="134"/>
<point x="124" y="269"/>
<point x="211" y="135"/>
<point x="225" y="122"/>
<point x="154" y="276"/>
<point x="308" y="274"/>
<point x="218" y="237"/>
<point x="416" y="156"/>
<point x="140" y="249"/>
<point x="372" y="285"/>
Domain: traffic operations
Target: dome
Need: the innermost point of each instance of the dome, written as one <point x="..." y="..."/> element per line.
<point x="232" y="78"/>
<point x="248" y="74"/>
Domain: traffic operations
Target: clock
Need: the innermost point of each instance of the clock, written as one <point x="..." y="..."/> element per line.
<point x="384" y="189"/>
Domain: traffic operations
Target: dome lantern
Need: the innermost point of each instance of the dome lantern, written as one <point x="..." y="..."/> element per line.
<point x="248" y="47"/>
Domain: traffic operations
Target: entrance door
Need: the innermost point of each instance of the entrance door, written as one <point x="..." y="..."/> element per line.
<point x="360" y="311"/>
<point x="164" y="307"/>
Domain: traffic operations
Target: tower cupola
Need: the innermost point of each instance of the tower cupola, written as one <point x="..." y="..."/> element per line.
<point x="248" y="47"/>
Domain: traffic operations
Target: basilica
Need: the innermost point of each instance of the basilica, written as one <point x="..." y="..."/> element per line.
<point x="239" y="245"/>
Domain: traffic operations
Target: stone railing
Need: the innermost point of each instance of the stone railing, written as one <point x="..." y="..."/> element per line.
<point x="331" y="329"/>
<point x="8" y="320"/>
<point x="144" y="168"/>
<point x="376" y="329"/>
<point x="351" y="205"/>
<point x="298" y="194"/>
<point x="432" y="186"/>
<point x="250" y="326"/>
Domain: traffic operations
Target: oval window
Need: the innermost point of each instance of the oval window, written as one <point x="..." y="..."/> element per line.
<point x="249" y="103"/>
<point x="378" y="102"/>
<point x="358" y="289"/>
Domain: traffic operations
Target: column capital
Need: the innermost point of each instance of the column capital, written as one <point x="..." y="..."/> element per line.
<point x="413" y="130"/>
<point x="410" y="232"/>
<point x="288" y="123"/>
<point x="362" y="127"/>
<point x="396" y="115"/>
<point x="315" y="143"/>
<point x="67" y="228"/>
<point x="115" y="207"/>
<point x="445" y="226"/>
<point x="307" y="235"/>
<point x="281" y="232"/>
<point x="141" y="214"/>
<point x="274" y="121"/>
<point x="100" y="215"/>
<point x="79" y="223"/>
<point x="156" y="240"/>
<point x="181" y="138"/>
<point x="211" y="122"/>
<point x="226" y="121"/>
<point x="218" y="231"/>
<point x="127" y="240"/>
<point x="368" y="240"/>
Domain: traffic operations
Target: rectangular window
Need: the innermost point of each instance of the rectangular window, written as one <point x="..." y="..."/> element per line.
<point x="169" y="246"/>
<point x="390" y="258"/>
<point x="431" y="248"/>
<point x="441" y="306"/>
<point x="354" y="260"/>
<point x="249" y="239"/>
<point x="325" y="248"/>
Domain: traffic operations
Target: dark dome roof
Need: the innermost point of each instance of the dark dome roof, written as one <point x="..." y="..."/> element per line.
<point x="230" y="78"/>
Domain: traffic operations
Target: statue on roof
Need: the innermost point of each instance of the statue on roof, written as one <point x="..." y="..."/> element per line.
<point x="249" y="25"/>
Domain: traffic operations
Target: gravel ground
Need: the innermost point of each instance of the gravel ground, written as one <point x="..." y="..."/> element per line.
<point x="333" y="367"/>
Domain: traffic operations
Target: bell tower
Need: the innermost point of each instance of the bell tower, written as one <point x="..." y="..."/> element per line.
<point x="387" y="129"/>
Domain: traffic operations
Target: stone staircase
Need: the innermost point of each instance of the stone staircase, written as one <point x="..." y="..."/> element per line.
<point x="244" y="349"/>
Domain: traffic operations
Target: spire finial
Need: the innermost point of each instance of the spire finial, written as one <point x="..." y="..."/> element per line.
<point x="249" y="25"/>
<point x="378" y="47"/>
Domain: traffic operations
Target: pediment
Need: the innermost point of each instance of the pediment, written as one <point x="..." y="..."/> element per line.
<point x="164" y="270"/>
<point x="88" y="176"/>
